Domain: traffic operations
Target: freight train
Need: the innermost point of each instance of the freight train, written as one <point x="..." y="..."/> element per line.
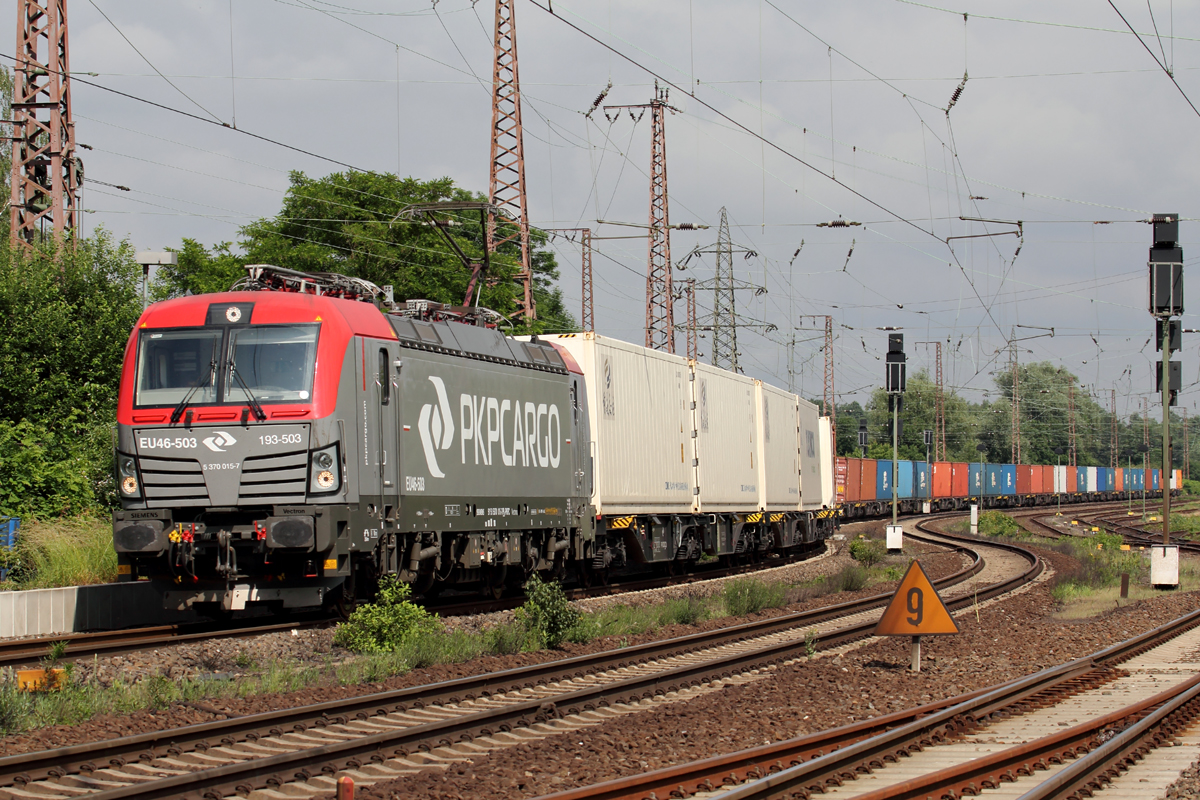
<point x="291" y="442"/>
<point x="864" y="485"/>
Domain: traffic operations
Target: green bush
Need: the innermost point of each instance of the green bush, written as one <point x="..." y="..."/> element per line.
<point x="851" y="578"/>
<point x="1191" y="487"/>
<point x="547" y="614"/>
<point x="506" y="639"/>
<point x="997" y="523"/>
<point x="744" y="596"/>
<point x="15" y="706"/>
<point x="688" y="610"/>
<point x="387" y="624"/>
<point x="868" y="552"/>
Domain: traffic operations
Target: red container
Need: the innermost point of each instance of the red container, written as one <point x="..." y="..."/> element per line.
<point x="839" y="479"/>
<point x="960" y="479"/>
<point x="870" y="469"/>
<point x="1024" y="479"/>
<point x="1047" y="480"/>
<point x="941" y="479"/>
<point x="1120" y="479"/>
<point x="1072" y="480"/>
<point x="853" y="477"/>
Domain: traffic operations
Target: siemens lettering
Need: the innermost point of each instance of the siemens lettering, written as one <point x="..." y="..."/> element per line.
<point x="526" y="434"/>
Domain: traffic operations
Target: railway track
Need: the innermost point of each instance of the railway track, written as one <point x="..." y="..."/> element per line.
<point x="298" y="752"/>
<point x="21" y="652"/>
<point x="1133" y="697"/>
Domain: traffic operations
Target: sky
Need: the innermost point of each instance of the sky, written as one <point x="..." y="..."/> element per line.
<point x="787" y="115"/>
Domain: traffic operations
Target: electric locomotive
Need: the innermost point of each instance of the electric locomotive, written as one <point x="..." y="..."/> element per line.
<point x="292" y="441"/>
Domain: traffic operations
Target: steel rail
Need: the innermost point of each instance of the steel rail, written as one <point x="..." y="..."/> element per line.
<point x="1090" y="773"/>
<point x="85" y="645"/>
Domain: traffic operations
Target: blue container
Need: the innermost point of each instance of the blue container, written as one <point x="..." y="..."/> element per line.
<point x="1009" y="480"/>
<point x="883" y="480"/>
<point x="904" y="479"/>
<point x="1157" y="485"/>
<point x="8" y="538"/>
<point x="993" y="480"/>
<point x="1082" y="485"/>
<point x="1110" y="479"/>
<point x="924" y="479"/>
<point x="974" y="473"/>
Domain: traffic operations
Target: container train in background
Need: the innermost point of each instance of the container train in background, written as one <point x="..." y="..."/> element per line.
<point x="864" y="485"/>
<point x="292" y="443"/>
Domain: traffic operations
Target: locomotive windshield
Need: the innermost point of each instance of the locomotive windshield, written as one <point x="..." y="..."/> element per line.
<point x="275" y="363"/>
<point x="172" y="363"/>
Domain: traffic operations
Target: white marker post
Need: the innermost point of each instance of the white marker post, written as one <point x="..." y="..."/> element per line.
<point x="974" y="520"/>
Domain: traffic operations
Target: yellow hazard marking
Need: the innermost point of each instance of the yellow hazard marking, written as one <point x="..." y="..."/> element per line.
<point x="124" y="569"/>
<point x="755" y="517"/>
<point x="331" y="563"/>
<point x="318" y="319"/>
<point x="777" y="517"/>
<point x="916" y="609"/>
<point x="1126" y="547"/>
<point x="619" y="523"/>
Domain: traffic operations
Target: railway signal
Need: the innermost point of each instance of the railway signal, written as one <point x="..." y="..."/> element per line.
<point x="1166" y="301"/>
<point x="916" y="610"/>
<point x="895" y="385"/>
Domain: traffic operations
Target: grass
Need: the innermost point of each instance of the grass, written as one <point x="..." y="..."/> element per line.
<point x="71" y="551"/>
<point x="1101" y="561"/>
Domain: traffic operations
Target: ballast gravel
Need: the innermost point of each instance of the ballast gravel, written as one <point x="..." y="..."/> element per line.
<point x="1012" y="637"/>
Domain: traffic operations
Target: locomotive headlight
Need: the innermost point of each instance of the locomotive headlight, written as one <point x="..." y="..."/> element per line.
<point x="129" y="485"/>
<point x="325" y="475"/>
<point x="128" y="467"/>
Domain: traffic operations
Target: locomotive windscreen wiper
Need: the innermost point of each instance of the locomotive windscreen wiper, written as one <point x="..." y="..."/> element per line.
<point x="251" y="401"/>
<point x="187" y="398"/>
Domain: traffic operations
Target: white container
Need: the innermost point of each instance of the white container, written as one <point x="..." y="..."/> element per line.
<point x="1060" y="480"/>
<point x="1091" y="479"/>
<point x="727" y="447"/>
<point x="639" y="402"/>
<point x="812" y="467"/>
<point x="778" y="456"/>
<point x="826" y="464"/>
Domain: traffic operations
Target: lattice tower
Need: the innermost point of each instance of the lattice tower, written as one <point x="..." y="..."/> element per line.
<point x="508" y="158"/>
<point x="46" y="174"/>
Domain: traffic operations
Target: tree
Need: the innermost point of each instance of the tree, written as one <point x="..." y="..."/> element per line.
<point x="66" y="311"/>
<point x="349" y="223"/>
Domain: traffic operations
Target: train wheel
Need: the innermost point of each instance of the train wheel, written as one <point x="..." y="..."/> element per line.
<point x="345" y="604"/>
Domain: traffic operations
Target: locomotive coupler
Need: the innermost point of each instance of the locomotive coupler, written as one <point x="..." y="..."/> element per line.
<point x="227" y="565"/>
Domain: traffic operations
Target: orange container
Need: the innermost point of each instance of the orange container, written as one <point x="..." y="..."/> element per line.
<point x="942" y="482"/>
<point x="870" y="470"/>
<point x="960" y="479"/>
<point x="853" y="480"/>
<point x="1024" y="479"/>
<point x="1047" y="480"/>
<point x="1120" y="479"/>
<point x="1072" y="480"/>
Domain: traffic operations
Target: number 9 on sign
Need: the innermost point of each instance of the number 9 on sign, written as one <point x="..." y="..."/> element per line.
<point x="916" y="605"/>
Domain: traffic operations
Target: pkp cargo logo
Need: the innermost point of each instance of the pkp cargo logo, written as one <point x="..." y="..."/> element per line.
<point x="436" y="426"/>
<point x="219" y="442"/>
